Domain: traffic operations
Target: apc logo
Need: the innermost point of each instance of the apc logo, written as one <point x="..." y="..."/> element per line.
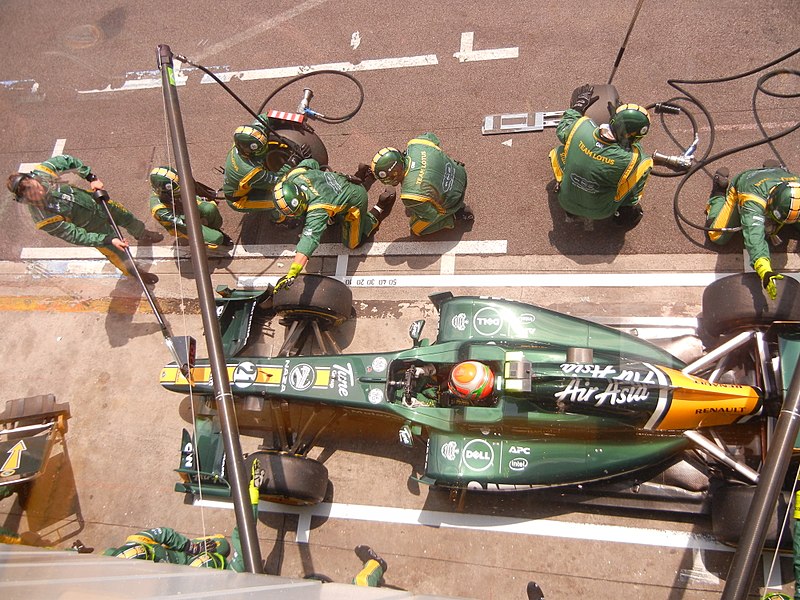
<point x="460" y="321"/>
<point x="301" y="377"/>
<point x="478" y="455"/>
<point x="244" y="375"/>
<point x="487" y="321"/>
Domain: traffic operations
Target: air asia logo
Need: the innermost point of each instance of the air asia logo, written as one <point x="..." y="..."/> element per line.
<point x="478" y="455"/>
<point x="487" y="321"/>
<point x="244" y="375"/>
<point x="518" y="464"/>
<point x="450" y="450"/>
<point x="460" y="321"/>
<point x="301" y="377"/>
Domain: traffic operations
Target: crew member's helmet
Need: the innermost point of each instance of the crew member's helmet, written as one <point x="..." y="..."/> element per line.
<point x="783" y="202"/>
<point x="471" y="380"/>
<point x="290" y="199"/>
<point x="164" y="181"/>
<point x="250" y="141"/>
<point x="630" y="123"/>
<point x="389" y="166"/>
<point x="139" y="551"/>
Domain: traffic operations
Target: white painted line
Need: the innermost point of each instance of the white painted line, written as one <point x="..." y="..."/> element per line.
<point x="146" y="79"/>
<point x="501" y="280"/>
<point x="447" y="264"/>
<point x="365" y="65"/>
<point x="486" y="247"/>
<point x="57" y="149"/>
<point x="467" y="54"/>
<point x="492" y="524"/>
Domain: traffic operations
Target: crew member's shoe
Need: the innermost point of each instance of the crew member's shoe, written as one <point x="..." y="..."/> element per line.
<point x="366" y="554"/>
<point x="149" y="237"/>
<point x="226" y="240"/>
<point x="628" y="217"/>
<point x="149" y="278"/>
<point x="721" y="181"/>
<point x="771" y="163"/>
<point x="81" y="548"/>
<point x="464" y="214"/>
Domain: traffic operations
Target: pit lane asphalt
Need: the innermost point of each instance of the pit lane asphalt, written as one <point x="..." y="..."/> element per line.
<point x="89" y="340"/>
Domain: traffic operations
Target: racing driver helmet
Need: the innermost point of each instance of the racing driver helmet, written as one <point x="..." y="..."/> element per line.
<point x="471" y="380"/>
<point x="389" y="166"/>
<point x="783" y="202"/>
<point x="137" y="551"/>
<point x="250" y="141"/>
<point x="290" y="199"/>
<point x="164" y="181"/>
<point x="630" y="123"/>
<point x="208" y="560"/>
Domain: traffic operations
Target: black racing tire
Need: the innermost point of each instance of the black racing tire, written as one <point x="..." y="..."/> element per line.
<point x="739" y="302"/>
<point x="290" y="479"/>
<point x="315" y="296"/>
<point x="729" y="506"/>
<point x="598" y="112"/>
<point x="278" y="151"/>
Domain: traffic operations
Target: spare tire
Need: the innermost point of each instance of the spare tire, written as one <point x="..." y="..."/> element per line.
<point x="739" y="302"/>
<point x="278" y="152"/>
<point x="315" y="296"/>
<point x="731" y="503"/>
<point x="289" y="478"/>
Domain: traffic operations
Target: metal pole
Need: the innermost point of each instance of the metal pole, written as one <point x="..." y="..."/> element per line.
<point x="222" y="387"/>
<point x="751" y="542"/>
<point x="625" y="41"/>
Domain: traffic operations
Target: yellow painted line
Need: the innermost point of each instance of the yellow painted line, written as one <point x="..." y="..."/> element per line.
<point x="66" y="304"/>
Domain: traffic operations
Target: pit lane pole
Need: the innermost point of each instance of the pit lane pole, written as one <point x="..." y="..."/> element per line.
<point x="222" y="387"/>
<point x="754" y="533"/>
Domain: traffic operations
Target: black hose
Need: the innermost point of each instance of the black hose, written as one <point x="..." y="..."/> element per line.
<point x="705" y="159"/>
<point x="323" y="118"/>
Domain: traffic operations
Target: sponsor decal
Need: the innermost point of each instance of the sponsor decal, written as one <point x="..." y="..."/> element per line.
<point x="621" y="386"/>
<point x="379" y="364"/>
<point x="478" y="455"/>
<point x="342" y="378"/>
<point x="518" y="464"/>
<point x="450" y="450"/>
<point x="460" y="321"/>
<point x="449" y="177"/>
<point x="527" y="318"/>
<point x="302" y="377"/>
<point x="375" y="396"/>
<point x="487" y="321"/>
<point x="519" y="450"/>
<point x="244" y="375"/>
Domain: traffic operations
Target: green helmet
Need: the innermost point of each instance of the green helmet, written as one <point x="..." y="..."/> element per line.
<point x="290" y="198"/>
<point x="208" y="560"/>
<point x="630" y="123"/>
<point x="164" y="181"/>
<point x="140" y="551"/>
<point x="250" y="141"/>
<point x="783" y="202"/>
<point x="389" y="166"/>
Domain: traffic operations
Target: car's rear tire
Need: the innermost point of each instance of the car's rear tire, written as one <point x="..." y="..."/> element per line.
<point x="315" y="296"/>
<point x="739" y="301"/>
<point x="290" y="479"/>
<point x="279" y="152"/>
<point x="729" y="506"/>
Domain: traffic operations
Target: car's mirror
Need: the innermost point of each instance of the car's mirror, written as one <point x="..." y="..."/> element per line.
<point x="415" y="331"/>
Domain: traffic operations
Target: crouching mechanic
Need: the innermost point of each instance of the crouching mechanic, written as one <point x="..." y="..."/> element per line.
<point x="249" y="186"/>
<point x="163" y="544"/>
<point x="70" y="213"/>
<point x="325" y="198"/>
<point x="761" y="201"/>
<point x="167" y="208"/>
<point x="432" y="185"/>
<point x="601" y="171"/>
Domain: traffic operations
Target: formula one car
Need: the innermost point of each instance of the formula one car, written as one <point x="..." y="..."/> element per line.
<point x="563" y="400"/>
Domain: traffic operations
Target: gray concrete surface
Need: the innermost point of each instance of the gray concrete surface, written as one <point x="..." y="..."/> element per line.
<point x="71" y="327"/>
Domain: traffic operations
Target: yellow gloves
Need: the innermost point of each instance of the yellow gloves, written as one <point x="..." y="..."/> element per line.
<point x="288" y="279"/>
<point x="768" y="277"/>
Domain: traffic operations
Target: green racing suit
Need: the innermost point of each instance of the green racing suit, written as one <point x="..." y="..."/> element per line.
<point x="596" y="176"/>
<point x="70" y="213"/>
<point x="169" y="213"/>
<point x="745" y="204"/>
<point x="433" y="186"/>
<point x="331" y="199"/>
